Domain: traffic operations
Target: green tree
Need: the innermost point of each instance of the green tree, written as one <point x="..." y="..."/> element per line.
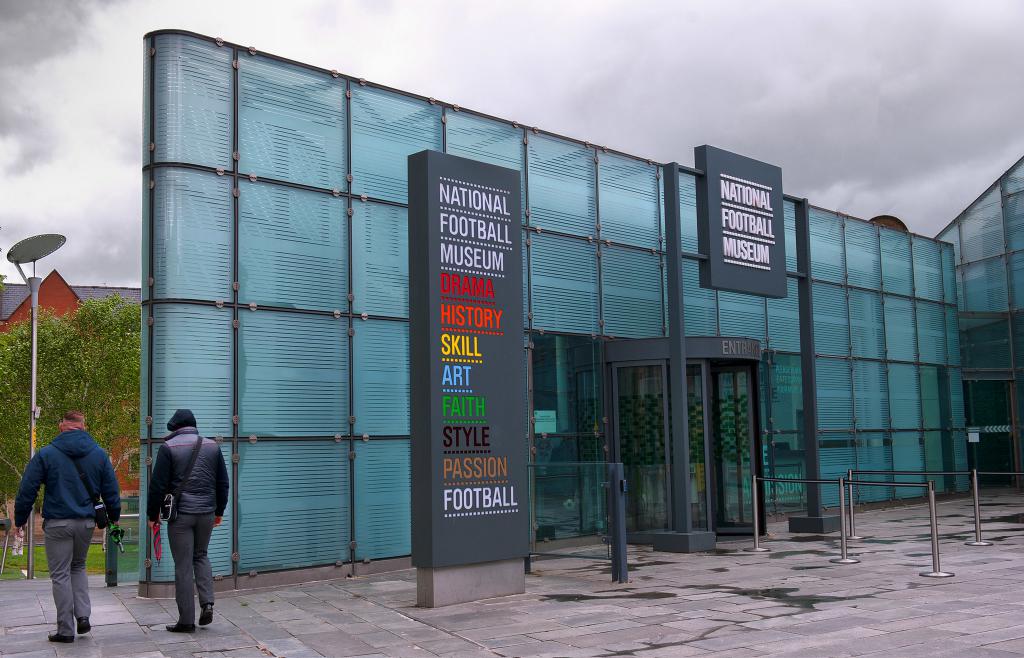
<point x="89" y="361"/>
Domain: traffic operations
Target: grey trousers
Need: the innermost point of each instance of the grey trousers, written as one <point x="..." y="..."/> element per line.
<point x="189" y="536"/>
<point x="67" y="546"/>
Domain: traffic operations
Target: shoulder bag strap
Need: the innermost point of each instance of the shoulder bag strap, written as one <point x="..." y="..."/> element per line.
<point x="81" y="475"/>
<point x="188" y="470"/>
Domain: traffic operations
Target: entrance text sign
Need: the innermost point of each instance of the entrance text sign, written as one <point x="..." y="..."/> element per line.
<point x="740" y="224"/>
<point x="466" y="347"/>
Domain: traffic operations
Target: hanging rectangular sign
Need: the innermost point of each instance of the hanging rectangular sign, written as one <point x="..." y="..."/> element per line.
<point x="469" y="499"/>
<point x="740" y="223"/>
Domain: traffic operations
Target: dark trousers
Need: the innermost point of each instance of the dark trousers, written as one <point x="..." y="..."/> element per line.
<point x="189" y="536"/>
<point x="67" y="546"/>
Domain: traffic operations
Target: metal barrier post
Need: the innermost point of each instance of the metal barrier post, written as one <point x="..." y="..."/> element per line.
<point x="617" y="521"/>
<point x="844" y="557"/>
<point x="936" y="571"/>
<point x="977" y="512"/>
<point x="853" y="522"/>
<point x="754" y="503"/>
<point x="110" y="559"/>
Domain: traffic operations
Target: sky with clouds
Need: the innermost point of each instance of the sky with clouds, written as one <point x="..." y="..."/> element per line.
<point x="909" y="108"/>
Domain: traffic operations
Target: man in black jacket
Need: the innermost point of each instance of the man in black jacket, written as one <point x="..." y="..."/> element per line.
<point x="69" y="515"/>
<point x="200" y="508"/>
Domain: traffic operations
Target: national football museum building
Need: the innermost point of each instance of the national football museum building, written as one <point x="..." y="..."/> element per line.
<point x="694" y="323"/>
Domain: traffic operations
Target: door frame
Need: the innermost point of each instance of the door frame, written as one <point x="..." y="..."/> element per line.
<point x="753" y="423"/>
<point x="612" y="370"/>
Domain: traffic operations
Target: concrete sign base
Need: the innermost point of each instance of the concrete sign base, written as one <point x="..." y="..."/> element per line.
<point x="441" y="586"/>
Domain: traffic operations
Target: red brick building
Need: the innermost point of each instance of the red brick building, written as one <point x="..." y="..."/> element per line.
<point x="55" y="294"/>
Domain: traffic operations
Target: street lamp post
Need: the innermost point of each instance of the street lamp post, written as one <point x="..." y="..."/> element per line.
<point x="30" y="250"/>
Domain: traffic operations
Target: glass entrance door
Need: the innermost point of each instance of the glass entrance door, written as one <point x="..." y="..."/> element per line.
<point x="641" y="415"/>
<point x="733" y="446"/>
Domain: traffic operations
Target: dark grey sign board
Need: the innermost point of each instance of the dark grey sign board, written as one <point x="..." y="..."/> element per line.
<point x="469" y="498"/>
<point x="740" y="223"/>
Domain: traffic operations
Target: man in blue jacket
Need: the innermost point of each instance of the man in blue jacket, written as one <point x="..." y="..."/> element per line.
<point x="69" y="515"/>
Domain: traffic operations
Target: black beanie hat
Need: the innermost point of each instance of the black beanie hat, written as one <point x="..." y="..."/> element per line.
<point x="181" y="418"/>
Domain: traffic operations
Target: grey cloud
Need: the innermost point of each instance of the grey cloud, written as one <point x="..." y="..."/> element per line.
<point x="32" y="33"/>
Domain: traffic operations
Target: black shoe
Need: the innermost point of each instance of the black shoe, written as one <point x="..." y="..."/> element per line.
<point x="181" y="628"/>
<point x="206" y="616"/>
<point x="57" y="637"/>
<point x="83" y="625"/>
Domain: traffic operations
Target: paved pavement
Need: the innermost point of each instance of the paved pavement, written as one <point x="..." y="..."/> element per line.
<point x="789" y="602"/>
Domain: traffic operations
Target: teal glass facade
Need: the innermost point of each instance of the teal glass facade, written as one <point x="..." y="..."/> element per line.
<point x="276" y="306"/>
<point x="988" y="254"/>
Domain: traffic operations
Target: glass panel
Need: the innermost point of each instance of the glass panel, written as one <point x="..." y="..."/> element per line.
<point x="688" y="212"/>
<point x="698" y="465"/>
<point x="732" y="428"/>
<point x="789" y="220"/>
<point x="787" y="393"/>
<point x="985" y="286"/>
<point x="874" y="453"/>
<point x="872" y="398"/>
<point x="987" y="404"/>
<point x="700" y="309"/>
<point x="900" y="329"/>
<point x="192" y="365"/>
<point x="286" y="503"/>
<point x="292" y="248"/>
<point x="863" y="259"/>
<point x="927" y="269"/>
<point x="564" y="283"/>
<point x="948" y="274"/>
<point x="933" y="397"/>
<point x="380" y="259"/>
<point x="897" y="275"/>
<point x="1016" y="269"/>
<point x="741" y="315"/>
<point x="192" y="101"/>
<point x="835" y="394"/>
<point x="836" y="453"/>
<point x="568" y="500"/>
<point x="981" y="226"/>
<point x="292" y="374"/>
<point x="567" y="390"/>
<point x="831" y="320"/>
<point x="386" y="129"/>
<point x="786" y="460"/>
<point x="193" y="222"/>
<point x="628" y="192"/>
<point x="1014" y="180"/>
<point x="908" y="455"/>
<point x="952" y="336"/>
<point x="381" y="378"/>
<point x="382" y="495"/>
<point x="632" y="293"/>
<point x="985" y="343"/>
<point x="1013" y="211"/>
<point x="828" y="262"/>
<point x="562" y="186"/>
<point x="867" y="331"/>
<point x="486" y="140"/>
<point x="291" y="123"/>
<point x="904" y="397"/>
<point x="784" y="320"/>
<point x="931" y="332"/>
<point x="640" y="413"/>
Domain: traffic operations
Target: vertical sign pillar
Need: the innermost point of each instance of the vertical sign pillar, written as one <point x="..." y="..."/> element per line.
<point x="470" y="516"/>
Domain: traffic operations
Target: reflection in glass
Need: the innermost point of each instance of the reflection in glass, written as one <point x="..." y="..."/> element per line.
<point x="640" y="412"/>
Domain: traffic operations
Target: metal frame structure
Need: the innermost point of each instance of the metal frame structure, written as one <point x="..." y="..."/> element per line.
<point x="670" y="254"/>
